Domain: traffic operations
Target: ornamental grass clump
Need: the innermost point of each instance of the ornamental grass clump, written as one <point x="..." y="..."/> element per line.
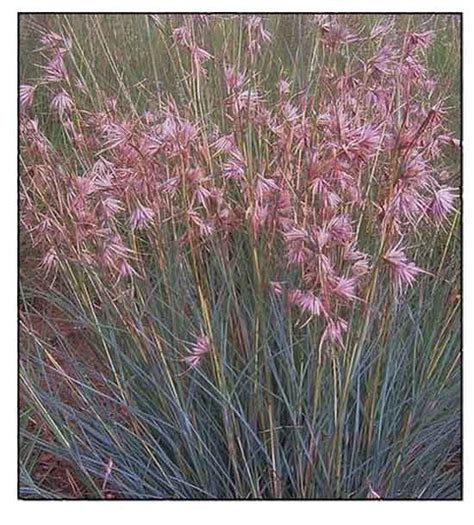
<point x="259" y="247"/>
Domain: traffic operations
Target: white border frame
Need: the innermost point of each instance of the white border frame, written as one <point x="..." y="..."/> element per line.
<point x="332" y="512"/>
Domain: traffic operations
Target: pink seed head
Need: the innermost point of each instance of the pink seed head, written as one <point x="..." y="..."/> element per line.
<point x="335" y="331"/>
<point x="197" y="351"/>
<point x="233" y="79"/>
<point x="402" y="271"/>
<point x="141" y="217"/>
<point x="55" y="70"/>
<point x="346" y="288"/>
<point x="50" y="260"/>
<point x="26" y="96"/>
<point x="276" y="287"/>
<point x="442" y="203"/>
<point x="125" y="269"/>
<point x="182" y="35"/>
<point x="62" y="103"/>
<point x="307" y="301"/>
